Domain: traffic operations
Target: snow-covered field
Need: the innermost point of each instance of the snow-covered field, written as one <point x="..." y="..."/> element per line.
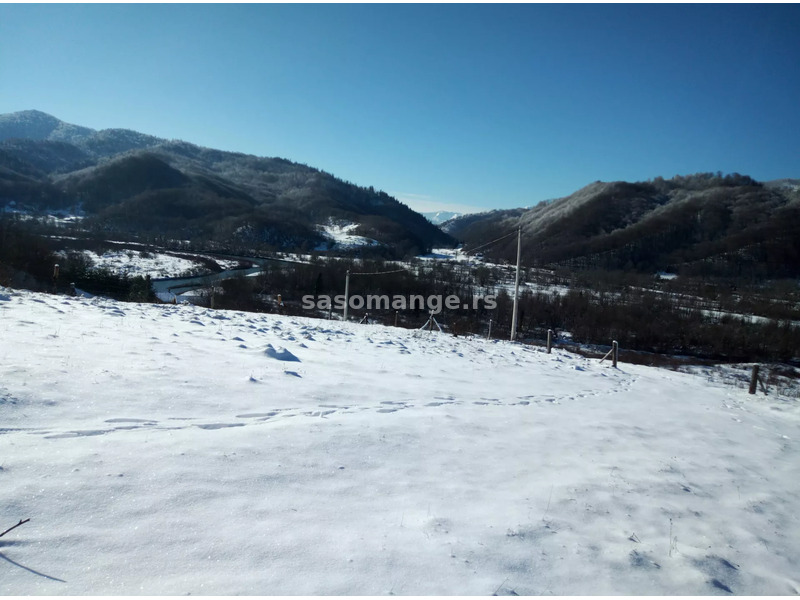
<point x="132" y="262"/>
<point x="448" y="255"/>
<point x="176" y="450"/>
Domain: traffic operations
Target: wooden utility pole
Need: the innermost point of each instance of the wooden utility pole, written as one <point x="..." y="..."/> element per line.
<point x="346" y="293"/>
<point x="516" y="285"/>
<point x="754" y="379"/>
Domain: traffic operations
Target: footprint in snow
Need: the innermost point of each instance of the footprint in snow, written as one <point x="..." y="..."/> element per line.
<point x="73" y="434"/>
<point x="318" y="413"/>
<point x="392" y="406"/>
<point x="265" y="415"/>
<point x="642" y="561"/>
<point x="722" y="573"/>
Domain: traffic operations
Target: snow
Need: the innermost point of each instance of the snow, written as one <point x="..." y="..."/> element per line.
<point x="340" y="236"/>
<point x="226" y="264"/>
<point x="133" y="263"/>
<point x="51" y="217"/>
<point x="440" y="216"/>
<point x="174" y="449"/>
<point x="448" y="255"/>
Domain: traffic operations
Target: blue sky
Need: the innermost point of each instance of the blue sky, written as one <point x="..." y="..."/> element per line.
<point x="471" y="106"/>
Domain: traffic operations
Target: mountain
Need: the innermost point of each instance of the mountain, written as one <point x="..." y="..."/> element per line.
<point x="136" y="184"/>
<point x="440" y="216"/>
<point x="36" y="125"/>
<point x="703" y="224"/>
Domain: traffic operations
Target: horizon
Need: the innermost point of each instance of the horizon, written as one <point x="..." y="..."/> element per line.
<point x="445" y="107"/>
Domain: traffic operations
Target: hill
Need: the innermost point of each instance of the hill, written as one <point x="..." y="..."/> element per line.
<point x="697" y="225"/>
<point x="140" y="185"/>
<point x="171" y="450"/>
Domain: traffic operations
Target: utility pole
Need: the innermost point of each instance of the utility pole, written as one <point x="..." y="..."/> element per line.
<point x="346" y="293"/>
<point x="516" y="286"/>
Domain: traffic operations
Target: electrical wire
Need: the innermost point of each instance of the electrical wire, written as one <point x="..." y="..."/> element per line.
<point x="490" y="243"/>
<point x="380" y="272"/>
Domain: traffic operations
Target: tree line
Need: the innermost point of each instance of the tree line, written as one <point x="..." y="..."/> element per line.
<point x="702" y="316"/>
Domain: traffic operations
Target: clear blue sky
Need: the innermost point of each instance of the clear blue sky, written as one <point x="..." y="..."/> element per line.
<point x="490" y="106"/>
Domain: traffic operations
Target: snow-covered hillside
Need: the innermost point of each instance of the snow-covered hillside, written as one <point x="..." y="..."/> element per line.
<point x="340" y="237"/>
<point x="179" y="450"/>
<point x="36" y="125"/>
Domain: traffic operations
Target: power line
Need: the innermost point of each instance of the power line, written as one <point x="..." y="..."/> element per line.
<point x="490" y="243"/>
<point x="380" y="272"/>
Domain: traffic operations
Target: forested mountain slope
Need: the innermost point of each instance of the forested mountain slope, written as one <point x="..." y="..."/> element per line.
<point x="136" y="184"/>
<point x="698" y="224"/>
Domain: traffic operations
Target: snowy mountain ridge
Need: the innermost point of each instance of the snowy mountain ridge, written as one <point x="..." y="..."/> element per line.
<point x="36" y="125"/>
<point x="440" y="216"/>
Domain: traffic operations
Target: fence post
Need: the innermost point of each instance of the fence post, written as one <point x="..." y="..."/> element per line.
<point x="549" y="340"/>
<point x="754" y="379"/>
<point x="396" y="314"/>
<point x="489" y="335"/>
<point x="615" y="353"/>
